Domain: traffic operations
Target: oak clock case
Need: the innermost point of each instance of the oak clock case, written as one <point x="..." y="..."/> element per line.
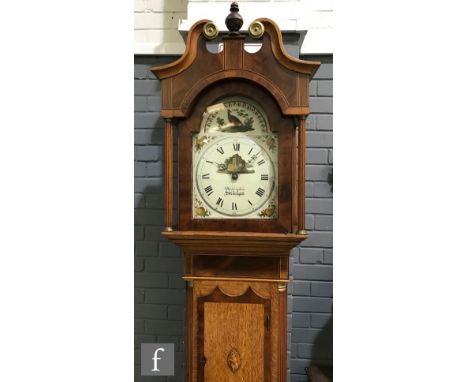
<point x="240" y="121"/>
<point x="235" y="154"/>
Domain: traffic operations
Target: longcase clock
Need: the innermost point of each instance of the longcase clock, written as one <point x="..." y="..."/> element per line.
<point x="240" y="120"/>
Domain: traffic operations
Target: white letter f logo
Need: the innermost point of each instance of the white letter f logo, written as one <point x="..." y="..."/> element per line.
<point x="155" y="358"/>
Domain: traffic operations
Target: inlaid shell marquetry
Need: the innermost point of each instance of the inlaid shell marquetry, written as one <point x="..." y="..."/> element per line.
<point x="234" y="360"/>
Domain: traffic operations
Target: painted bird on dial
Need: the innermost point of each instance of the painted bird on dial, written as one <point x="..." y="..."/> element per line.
<point x="234" y="124"/>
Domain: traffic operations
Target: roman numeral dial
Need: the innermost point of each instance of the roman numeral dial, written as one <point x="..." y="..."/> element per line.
<point x="234" y="172"/>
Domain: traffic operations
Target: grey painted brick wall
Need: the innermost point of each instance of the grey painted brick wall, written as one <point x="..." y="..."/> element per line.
<point x="159" y="288"/>
<point x="312" y="268"/>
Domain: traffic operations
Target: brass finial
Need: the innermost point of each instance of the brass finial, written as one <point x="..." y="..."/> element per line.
<point x="210" y="31"/>
<point x="234" y="20"/>
<point x="256" y="29"/>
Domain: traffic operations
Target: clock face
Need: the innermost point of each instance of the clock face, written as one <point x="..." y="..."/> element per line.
<point x="235" y="163"/>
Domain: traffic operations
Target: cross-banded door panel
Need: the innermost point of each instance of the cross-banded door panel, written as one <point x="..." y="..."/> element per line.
<point x="234" y="337"/>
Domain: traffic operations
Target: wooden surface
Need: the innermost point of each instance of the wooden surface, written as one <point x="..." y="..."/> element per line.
<point x="227" y="323"/>
<point x="243" y="279"/>
<point x="237" y="243"/>
<point x="281" y="125"/>
<point x="189" y="338"/>
<point x="282" y="333"/>
<point x="277" y="81"/>
<point x="294" y="164"/>
<point x="237" y="269"/>
<point x="301" y="175"/>
<point x="265" y="320"/>
<point x="265" y="267"/>
<point x="168" y="174"/>
<point x="285" y="78"/>
<point x="234" y="327"/>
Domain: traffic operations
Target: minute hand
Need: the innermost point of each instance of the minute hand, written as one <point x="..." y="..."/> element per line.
<point x="255" y="156"/>
<point x="221" y="166"/>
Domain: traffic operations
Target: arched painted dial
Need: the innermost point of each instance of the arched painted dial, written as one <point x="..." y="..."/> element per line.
<point x="236" y="175"/>
<point x="235" y="162"/>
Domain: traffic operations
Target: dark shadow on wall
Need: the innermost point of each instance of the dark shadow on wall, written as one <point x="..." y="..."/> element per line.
<point x="322" y="350"/>
<point x="320" y="368"/>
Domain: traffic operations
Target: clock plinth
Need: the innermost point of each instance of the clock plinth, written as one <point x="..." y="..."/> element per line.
<point x="241" y="195"/>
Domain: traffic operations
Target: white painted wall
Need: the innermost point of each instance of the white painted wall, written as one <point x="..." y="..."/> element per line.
<point x="158" y="23"/>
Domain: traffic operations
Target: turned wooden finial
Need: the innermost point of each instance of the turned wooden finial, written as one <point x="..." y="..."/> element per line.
<point x="234" y="20"/>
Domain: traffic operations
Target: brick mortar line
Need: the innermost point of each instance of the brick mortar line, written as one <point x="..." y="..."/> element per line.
<point x="319" y="297"/>
<point x="150" y="178"/>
